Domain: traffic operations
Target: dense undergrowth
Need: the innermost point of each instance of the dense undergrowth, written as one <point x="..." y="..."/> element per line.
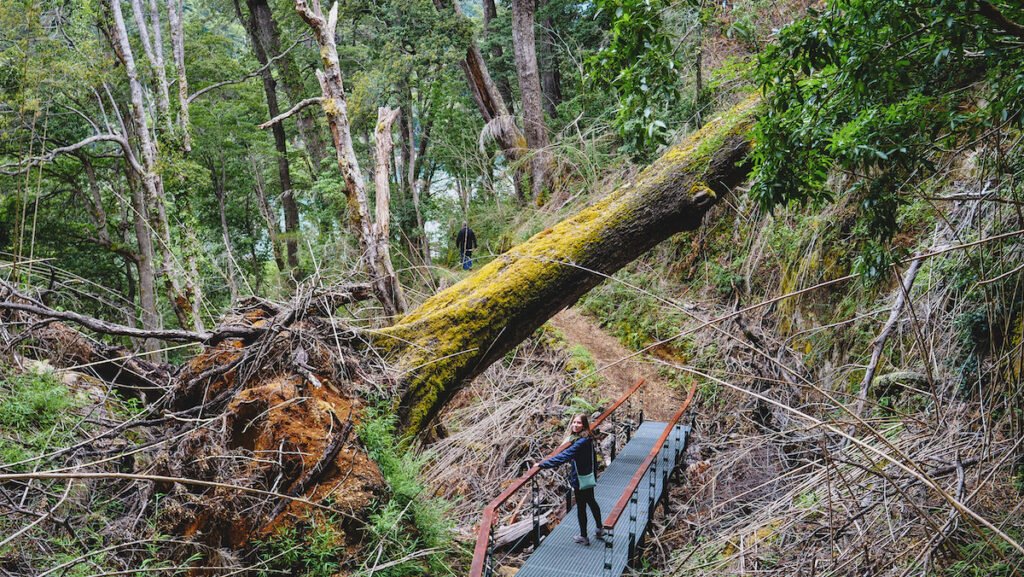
<point x="801" y="466"/>
<point x="795" y="328"/>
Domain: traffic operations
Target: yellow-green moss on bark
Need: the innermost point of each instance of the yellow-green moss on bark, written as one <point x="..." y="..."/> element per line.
<point x="456" y="334"/>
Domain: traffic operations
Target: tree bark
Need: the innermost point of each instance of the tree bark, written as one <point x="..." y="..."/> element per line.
<point x="525" y="47"/>
<point x="151" y="180"/>
<point x="155" y="55"/>
<point x="492" y="107"/>
<point x="260" y="26"/>
<point x="97" y="214"/>
<point x="336" y="109"/>
<point x="149" y="316"/>
<point x="459" y="332"/>
<point x="551" y="77"/>
<point x="267" y="33"/>
<point x="174" y="17"/>
<point x="382" y="213"/>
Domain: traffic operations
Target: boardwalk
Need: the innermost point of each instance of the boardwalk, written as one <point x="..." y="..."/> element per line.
<point x="558" y="556"/>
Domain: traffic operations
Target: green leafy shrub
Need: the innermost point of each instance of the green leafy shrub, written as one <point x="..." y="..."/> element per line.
<point x="988" y="557"/>
<point x="408" y="521"/>
<point x="879" y="90"/>
<point x="641" y="66"/>
<point x="313" y="548"/>
<point x="37" y="415"/>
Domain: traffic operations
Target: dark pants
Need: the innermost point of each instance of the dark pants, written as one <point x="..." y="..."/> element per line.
<point x="585" y="498"/>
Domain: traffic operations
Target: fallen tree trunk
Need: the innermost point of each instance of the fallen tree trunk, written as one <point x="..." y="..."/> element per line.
<point x="459" y="332"/>
<point x="273" y="378"/>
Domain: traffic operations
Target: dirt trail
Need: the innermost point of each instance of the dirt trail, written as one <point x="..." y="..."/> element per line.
<point x="661" y="402"/>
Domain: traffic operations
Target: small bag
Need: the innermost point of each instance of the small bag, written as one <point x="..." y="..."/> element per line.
<point x="589" y="481"/>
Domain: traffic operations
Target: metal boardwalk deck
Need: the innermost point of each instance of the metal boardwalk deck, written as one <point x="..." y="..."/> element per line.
<point x="558" y="556"/>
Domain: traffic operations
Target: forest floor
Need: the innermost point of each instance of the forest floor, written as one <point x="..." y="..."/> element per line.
<point x="619" y="366"/>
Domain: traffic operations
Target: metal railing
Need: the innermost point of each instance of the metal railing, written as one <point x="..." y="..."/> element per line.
<point x="483" y="553"/>
<point x="661" y="459"/>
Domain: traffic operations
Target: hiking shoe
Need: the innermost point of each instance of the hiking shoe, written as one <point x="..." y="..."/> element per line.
<point x="600" y="534"/>
<point x="581" y="540"/>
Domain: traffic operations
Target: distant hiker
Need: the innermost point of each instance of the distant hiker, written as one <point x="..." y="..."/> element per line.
<point x="583" y="476"/>
<point x="466" y="241"/>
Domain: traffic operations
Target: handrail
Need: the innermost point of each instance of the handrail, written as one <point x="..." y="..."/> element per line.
<point x="620" y="506"/>
<point x="488" y="517"/>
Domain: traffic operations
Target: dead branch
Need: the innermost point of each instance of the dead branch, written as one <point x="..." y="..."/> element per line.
<point x="28" y="163"/>
<point x="6" y="477"/>
<point x="993" y="14"/>
<point x="291" y="112"/>
<point x="878" y="345"/>
<point x="248" y="76"/>
<point x="108" y="328"/>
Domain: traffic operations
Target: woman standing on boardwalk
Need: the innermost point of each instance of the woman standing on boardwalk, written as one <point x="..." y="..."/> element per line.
<point x="583" y="475"/>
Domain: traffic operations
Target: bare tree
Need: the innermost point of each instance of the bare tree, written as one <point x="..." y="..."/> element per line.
<point x="382" y="189"/>
<point x="180" y="298"/>
<point x="333" y="101"/>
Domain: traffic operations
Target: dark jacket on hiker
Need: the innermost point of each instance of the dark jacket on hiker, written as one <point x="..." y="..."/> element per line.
<point x="466" y="241"/>
<point x="581" y="453"/>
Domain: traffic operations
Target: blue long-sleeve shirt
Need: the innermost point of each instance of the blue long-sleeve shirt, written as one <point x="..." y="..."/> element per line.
<point x="581" y="454"/>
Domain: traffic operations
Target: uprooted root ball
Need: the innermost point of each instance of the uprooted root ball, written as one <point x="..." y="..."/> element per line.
<point x="270" y="422"/>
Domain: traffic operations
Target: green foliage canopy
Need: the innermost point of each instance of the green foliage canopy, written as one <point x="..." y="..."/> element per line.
<point x="879" y="89"/>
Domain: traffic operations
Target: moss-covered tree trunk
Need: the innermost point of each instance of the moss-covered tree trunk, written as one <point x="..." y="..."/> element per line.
<point x="459" y="332"/>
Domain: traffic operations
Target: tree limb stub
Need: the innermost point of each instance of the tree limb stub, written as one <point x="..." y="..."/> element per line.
<point x="459" y="332"/>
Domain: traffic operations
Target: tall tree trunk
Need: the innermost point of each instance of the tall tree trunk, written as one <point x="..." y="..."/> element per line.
<point x="158" y="53"/>
<point x="219" y="185"/>
<point x="382" y="189"/>
<point x="269" y="216"/>
<point x="421" y="188"/>
<point x="151" y="180"/>
<point x="196" y="290"/>
<point x="261" y="28"/>
<point x="459" y="332"/>
<point x="97" y="213"/>
<point x="551" y="78"/>
<point x="149" y="316"/>
<point x="525" y="47"/>
<point x="155" y="55"/>
<point x="492" y="107"/>
<point x="335" y="107"/>
<point x="268" y="34"/>
<point x="497" y="52"/>
<point x="409" y="175"/>
<point x="175" y="17"/>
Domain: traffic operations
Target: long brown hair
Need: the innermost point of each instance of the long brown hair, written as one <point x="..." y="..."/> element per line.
<point x="586" y="431"/>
